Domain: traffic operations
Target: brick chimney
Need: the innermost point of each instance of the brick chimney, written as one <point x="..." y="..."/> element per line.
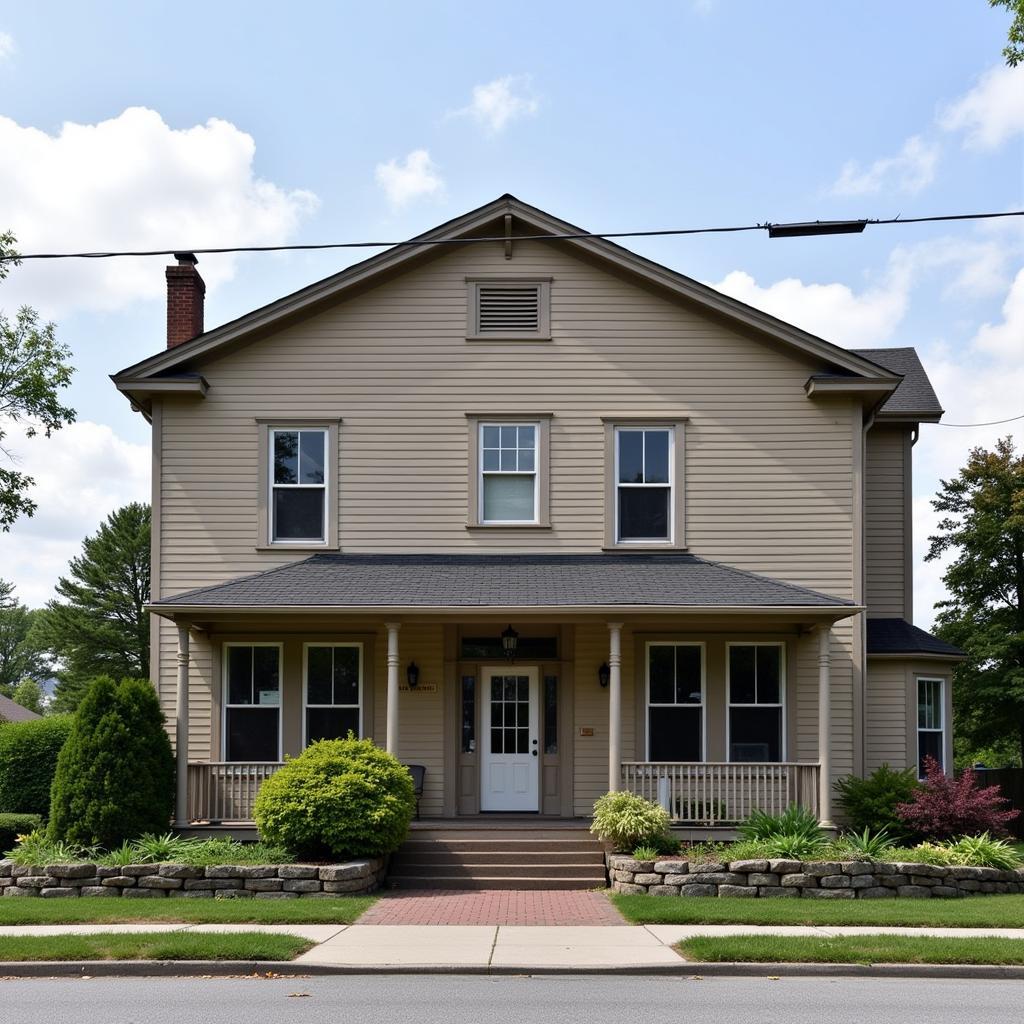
<point x="186" y="291"/>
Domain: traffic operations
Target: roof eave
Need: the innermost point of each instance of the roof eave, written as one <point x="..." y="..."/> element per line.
<point x="917" y="655"/>
<point x="140" y="391"/>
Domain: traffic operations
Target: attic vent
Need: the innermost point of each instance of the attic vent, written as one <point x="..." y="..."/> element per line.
<point x="509" y="309"/>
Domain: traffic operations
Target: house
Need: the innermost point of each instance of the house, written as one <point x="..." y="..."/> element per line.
<point x="11" y="711"/>
<point x="542" y="516"/>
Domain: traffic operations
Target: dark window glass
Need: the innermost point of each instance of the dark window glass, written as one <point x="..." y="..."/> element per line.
<point x="631" y="456"/>
<point x="240" y="675"/>
<point x="265" y="674"/>
<point x="251" y="734"/>
<point x="318" y="675"/>
<point x="496" y="687"/>
<point x="286" y="456"/>
<point x="346" y="675"/>
<point x="468" y="714"/>
<point x="742" y="688"/>
<point x="656" y="456"/>
<point x="331" y="723"/>
<point x="299" y="513"/>
<point x="929" y="744"/>
<point x="497" y="744"/>
<point x="643" y="513"/>
<point x="311" y="457"/>
<point x="662" y="673"/>
<point x="769" y="671"/>
<point x="755" y="734"/>
<point x="688" y="673"/>
<point x="523" y="744"/>
<point x="540" y="648"/>
<point x="551" y="714"/>
<point x="674" y="734"/>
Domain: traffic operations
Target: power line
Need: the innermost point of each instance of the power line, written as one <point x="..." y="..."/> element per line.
<point x="991" y="423"/>
<point x="792" y="229"/>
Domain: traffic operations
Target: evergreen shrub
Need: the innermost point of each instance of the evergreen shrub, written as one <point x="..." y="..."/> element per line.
<point x="28" y="761"/>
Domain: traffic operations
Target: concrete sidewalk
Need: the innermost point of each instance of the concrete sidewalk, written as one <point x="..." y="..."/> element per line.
<point x="506" y="947"/>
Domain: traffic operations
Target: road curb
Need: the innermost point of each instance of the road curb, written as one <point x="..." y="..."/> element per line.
<point x="685" y="969"/>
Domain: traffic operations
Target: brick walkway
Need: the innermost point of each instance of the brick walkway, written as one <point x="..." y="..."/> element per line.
<point x="492" y="907"/>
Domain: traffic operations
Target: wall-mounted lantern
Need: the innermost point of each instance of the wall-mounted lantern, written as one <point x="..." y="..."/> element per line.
<point x="509" y="642"/>
<point x="412" y="675"/>
<point x="604" y="674"/>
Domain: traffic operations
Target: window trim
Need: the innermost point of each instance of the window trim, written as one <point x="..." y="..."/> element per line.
<point x="473" y="283"/>
<point x="781" y="705"/>
<point x="541" y="422"/>
<point x="266" y="427"/>
<point x="305" y="685"/>
<point x="703" y="693"/>
<point x="676" y="426"/>
<point x="942" y="730"/>
<point x="225" y="690"/>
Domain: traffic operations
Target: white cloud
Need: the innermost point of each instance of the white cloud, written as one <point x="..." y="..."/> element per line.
<point x="1006" y="339"/>
<point x="132" y="182"/>
<point x="82" y="473"/>
<point x="7" y="46"/>
<point x="495" y="104"/>
<point x="415" y="177"/>
<point x="832" y="311"/>
<point x="990" y="113"/>
<point x="911" y="170"/>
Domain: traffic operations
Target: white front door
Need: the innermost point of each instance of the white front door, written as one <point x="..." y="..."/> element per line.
<point x="510" y="765"/>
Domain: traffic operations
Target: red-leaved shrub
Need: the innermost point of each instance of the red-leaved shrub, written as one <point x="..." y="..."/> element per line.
<point x="947" y="808"/>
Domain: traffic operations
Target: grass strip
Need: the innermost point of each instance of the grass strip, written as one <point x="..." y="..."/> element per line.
<point x="853" y="949"/>
<point x="201" y="910"/>
<point x="988" y="911"/>
<point x="153" y="946"/>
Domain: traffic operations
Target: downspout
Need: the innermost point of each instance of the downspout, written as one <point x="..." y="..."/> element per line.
<point x="869" y="422"/>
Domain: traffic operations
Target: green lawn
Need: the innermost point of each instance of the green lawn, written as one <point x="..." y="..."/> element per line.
<point x="1000" y="911"/>
<point x="154" y="946"/>
<point x="117" y="909"/>
<point x="849" y="949"/>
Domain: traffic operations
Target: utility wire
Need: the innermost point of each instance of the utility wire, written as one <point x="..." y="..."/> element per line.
<point x="569" y="236"/>
<point x="991" y="423"/>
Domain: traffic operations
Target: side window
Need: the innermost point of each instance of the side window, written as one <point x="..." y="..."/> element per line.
<point x="757" y="688"/>
<point x="675" y="702"/>
<point x="252" y="702"/>
<point x="298" y="486"/>
<point x="931" y="722"/>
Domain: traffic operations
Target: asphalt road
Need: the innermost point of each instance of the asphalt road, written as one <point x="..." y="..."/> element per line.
<point x="410" y="999"/>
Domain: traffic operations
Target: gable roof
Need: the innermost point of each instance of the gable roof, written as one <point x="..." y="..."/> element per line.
<point x="481" y="582"/>
<point x="914" y="398"/>
<point x="10" y="711"/>
<point x="316" y="296"/>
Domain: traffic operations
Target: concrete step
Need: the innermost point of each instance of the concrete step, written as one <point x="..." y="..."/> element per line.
<point x="494" y="882"/>
<point x="462" y="846"/>
<point x="525" y="857"/>
<point x="474" y="870"/>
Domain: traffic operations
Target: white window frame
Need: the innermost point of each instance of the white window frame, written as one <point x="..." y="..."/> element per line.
<point x="482" y="473"/>
<point x="324" y="538"/>
<point x="703" y="706"/>
<point x="729" y="705"/>
<point x="616" y="485"/>
<point x="918" y="728"/>
<point x="305" y="686"/>
<point x="225" y="691"/>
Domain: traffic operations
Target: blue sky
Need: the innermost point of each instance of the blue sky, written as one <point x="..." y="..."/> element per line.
<point x="159" y="126"/>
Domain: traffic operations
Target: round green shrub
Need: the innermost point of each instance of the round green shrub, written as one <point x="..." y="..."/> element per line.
<point x="628" y="821"/>
<point x="338" y="798"/>
<point x="115" y="774"/>
<point x="28" y="761"/>
<point x="871" y="803"/>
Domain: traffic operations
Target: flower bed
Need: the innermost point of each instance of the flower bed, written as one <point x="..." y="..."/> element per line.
<point x="231" y="881"/>
<point x="810" y="879"/>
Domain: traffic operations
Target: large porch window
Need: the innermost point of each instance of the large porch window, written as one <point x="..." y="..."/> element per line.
<point x="757" y="687"/>
<point x="252" y="702"/>
<point x="675" y="701"/>
<point x="333" y="690"/>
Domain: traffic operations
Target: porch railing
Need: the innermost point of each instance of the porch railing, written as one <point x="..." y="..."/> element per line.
<point x="722" y="793"/>
<point x="221" y="791"/>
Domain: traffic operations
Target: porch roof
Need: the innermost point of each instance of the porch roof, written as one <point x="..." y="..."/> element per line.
<point x="368" y="582"/>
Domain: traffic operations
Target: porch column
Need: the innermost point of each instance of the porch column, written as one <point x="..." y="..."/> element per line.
<point x="181" y="732"/>
<point x="392" y="729"/>
<point x="614" y="706"/>
<point x="825" y="724"/>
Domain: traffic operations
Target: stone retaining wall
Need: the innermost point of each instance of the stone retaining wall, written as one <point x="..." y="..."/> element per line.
<point x="825" y="880"/>
<point x="235" y="881"/>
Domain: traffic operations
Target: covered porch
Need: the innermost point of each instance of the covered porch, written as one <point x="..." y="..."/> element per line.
<point x="710" y="709"/>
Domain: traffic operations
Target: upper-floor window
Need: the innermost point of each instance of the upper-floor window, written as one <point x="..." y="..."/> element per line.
<point x="931" y="722"/>
<point x="298" y="485"/>
<point x="644" y="472"/>
<point x="513" y="308"/>
<point x="508" y="472"/>
<point x="757" y="690"/>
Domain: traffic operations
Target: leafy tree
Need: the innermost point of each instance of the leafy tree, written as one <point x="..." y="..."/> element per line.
<point x="33" y="370"/>
<point x="29" y="694"/>
<point x="20" y="653"/>
<point x="115" y="775"/>
<point x="101" y="627"/>
<point x="984" y="614"/>
<point x="1013" y="52"/>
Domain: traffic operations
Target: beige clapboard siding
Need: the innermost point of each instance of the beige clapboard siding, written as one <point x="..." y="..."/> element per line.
<point x="885" y="540"/>
<point x="886" y="725"/>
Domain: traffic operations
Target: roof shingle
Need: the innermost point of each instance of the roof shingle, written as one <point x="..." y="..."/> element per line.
<point x="897" y="636"/>
<point x="914" y="394"/>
